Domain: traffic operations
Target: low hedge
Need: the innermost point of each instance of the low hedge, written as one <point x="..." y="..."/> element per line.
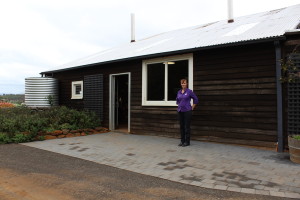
<point x="22" y="124"/>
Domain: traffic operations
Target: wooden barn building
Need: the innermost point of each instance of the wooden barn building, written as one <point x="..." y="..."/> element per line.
<point x="233" y="67"/>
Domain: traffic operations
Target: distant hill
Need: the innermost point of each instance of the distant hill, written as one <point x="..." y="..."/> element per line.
<point x="13" y="98"/>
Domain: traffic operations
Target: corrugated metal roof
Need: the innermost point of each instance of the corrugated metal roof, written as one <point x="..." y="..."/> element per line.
<point x="252" y="27"/>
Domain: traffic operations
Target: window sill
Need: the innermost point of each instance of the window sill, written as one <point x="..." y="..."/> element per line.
<point x="159" y="103"/>
<point x="77" y="98"/>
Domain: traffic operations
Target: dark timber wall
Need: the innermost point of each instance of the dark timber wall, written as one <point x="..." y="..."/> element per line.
<point x="236" y="87"/>
<point x="237" y="90"/>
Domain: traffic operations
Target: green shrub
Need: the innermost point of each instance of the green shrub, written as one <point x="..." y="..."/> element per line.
<point x="19" y="138"/>
<point x="15" y="121"/>
<point x="4" y="139"/>
<point x="297" y="137"/>
<point x="68" y="126"/>
<point x="41" y="138"/>
<point x="49" y="129"/>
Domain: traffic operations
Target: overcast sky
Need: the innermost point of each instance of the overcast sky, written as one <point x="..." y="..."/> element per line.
<point x="37" y="35"/>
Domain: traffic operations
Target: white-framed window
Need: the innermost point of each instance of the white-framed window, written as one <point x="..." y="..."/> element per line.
<point x="77" y="90"/>
<point x="161" y="79"/>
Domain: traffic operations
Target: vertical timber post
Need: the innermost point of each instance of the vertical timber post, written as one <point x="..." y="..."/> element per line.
<point x="279" y="97"/>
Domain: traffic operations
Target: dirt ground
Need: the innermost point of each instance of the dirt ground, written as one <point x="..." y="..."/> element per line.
<point x="30" y="186"/>
<point x="31" y="174"/>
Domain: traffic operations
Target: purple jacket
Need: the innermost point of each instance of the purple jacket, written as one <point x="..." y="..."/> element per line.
<point x="184" y="100"/>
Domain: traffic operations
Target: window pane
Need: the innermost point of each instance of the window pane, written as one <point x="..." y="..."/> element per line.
<point x="155" y="82"/>
<point x="77" y="89"/>
<point x="176" y="70"/>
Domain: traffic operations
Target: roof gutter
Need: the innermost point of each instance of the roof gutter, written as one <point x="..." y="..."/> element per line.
<point x="279" y="38"/>
<point x="292" y="32"/>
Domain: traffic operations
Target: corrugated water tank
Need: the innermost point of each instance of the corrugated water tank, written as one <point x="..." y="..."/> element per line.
<point x="41" y="92"/>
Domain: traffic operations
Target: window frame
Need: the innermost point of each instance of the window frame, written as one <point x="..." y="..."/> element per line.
<point x="145" y="102"/>
<point x="73" y="85"/>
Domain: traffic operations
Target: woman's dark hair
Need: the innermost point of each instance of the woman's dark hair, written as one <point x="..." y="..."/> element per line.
<point x="183" y="80"/>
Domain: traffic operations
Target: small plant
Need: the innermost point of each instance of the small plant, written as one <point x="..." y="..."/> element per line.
<point x="41" y="138"/>
<point x="49" y="130"/>
<point x="297" y="137"/>
<point x="67" y="126"/>
<point x="19" y="138"/>
<point x="290" y="72"/>
<point x="4" y="138"/>
<point x="50" y="100"/>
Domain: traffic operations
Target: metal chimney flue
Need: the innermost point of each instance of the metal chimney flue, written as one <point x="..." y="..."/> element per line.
<point x="230" y="11"/>
<point x="132" y="27"/>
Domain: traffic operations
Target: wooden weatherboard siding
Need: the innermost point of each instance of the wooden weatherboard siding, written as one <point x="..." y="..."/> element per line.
<point x="236" y="87"/>
<point x="237" y="91"/>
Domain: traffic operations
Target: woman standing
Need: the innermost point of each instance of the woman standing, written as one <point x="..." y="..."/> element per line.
<point x="183" y="100"/>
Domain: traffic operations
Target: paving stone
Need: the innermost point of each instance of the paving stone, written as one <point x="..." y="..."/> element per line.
<point x="233" y="185"/>
<point x="221" y="183"/>
<point x="271" y="189"/>
<point x="295" y="189"/>
<point x="253" y="182"/>
<point x="219" y="178"/>
<point x="186" y="181"/>
<point x="217" y="170"/>
<point x="248" y="190"/>
<point x="277" y="194"/>
<point x="196" y="183"/>
<point x="292" y="195"/>
<point x="259" y="187"/>
<point x="275" y="189"/>
<point x="263" y="192"/>
<point x="234" y="189"/>
<point x="208" y="181"/>
<point x="208" y="185"/>
<point x="220" y="187"/>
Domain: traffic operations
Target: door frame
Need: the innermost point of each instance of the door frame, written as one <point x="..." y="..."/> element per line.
<point x="112" y="82"/>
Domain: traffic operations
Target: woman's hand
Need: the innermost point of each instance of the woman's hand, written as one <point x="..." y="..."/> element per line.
<point x="193" y="106"/>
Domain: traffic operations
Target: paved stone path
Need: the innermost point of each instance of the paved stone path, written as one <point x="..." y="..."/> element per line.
<point x="207" y="165"/>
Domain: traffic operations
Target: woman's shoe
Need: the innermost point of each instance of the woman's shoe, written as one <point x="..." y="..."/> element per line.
<point x="185" y="145"/>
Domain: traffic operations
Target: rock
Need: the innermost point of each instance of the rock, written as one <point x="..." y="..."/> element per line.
<point x="83" y="134"/>
<point x="95" y="132"/>
<point x="77" y="134"/>
<point x="57" y="132"/>
<point x="65" y="131"/>
<point x="70" y="135"/>
<point x="41" y="133"/>
<point x="99" y="128"/>
<point x="49" y="137"/>
<point x="73" y="131"/>
<point x="61" y="136"/>
<point x="90" y="132"/>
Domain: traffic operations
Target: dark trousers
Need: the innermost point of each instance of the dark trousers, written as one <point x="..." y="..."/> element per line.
<point x="185" y="129"/>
